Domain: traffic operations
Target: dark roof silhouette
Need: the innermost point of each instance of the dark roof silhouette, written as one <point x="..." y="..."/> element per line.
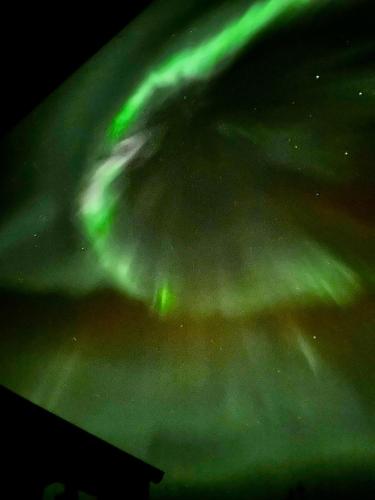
<point x="40" y="448"/>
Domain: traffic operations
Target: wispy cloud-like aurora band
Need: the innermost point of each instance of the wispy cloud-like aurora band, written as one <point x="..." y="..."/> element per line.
<point x="99" y="200"/>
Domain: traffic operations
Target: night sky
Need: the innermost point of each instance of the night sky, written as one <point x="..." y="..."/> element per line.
<point x="187" y="247"/>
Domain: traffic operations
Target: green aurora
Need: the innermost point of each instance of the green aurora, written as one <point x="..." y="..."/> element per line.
<point x="312" y="273"/>
<point x="187" y="269"/>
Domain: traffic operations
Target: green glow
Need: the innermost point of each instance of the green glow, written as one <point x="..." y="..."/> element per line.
<point x="198" y="62"/>
<point x="215" y="315"/>
<point x="99" y="202"/>
<point x="164" y="300"/>
<point x="322" y="278"/>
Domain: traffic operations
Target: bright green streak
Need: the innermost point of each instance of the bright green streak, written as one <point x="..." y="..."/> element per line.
<point x="164" y="300"/>
<point x="200" y="61"/>
<point x="98" y="205"/>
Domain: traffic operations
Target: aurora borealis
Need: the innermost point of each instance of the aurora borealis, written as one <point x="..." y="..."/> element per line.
<point x="310" y="273"/>
<point x="201" y="60"/>
<point x="188" y="268"/>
